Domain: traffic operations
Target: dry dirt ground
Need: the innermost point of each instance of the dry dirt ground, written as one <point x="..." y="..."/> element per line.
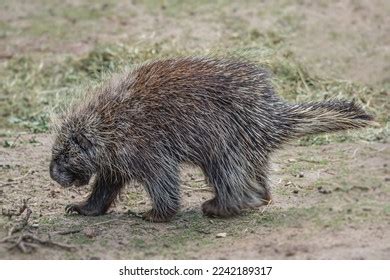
<point x="330" y="201"/>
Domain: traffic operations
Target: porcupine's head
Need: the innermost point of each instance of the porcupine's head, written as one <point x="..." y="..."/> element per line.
<point x="73" y="153"/>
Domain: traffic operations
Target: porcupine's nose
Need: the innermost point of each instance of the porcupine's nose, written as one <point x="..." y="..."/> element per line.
<point x="56" y="175"/>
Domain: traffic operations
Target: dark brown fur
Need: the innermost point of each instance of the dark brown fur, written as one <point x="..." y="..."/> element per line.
<point x="219" y="114"/>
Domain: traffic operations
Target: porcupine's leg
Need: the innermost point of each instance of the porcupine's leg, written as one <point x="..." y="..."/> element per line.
<point x="104" y="192"/>
<point x="227" y="178"/>
<point x="256" y="190"/>
<point x="264" y="191"/>
<point x="163" y="188"/>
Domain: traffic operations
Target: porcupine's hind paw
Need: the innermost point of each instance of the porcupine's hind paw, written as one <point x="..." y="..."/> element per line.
<point x="154" y="216"/>
<point x="212" y="208"/>
<point x="82" y="209"/>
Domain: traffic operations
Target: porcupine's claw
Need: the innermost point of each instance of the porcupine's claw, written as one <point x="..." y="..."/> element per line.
<point x="81" y="209"/>
<point x="72" y="208"/>
<point x="153" y="216"/>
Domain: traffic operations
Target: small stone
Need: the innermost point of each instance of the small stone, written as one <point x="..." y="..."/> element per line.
<point x="53" y="194"/>
<point x="221" y="235"/>
<point x="90" y="232"/>
<point x="300" y="175"/>
<point x="290" y="253"/>
<point x="295" y="191"/>
<point x="323" y="191"/>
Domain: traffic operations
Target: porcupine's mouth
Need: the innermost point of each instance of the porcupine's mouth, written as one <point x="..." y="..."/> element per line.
<point x="67" y="179"/>
<point x="81" y="182"/>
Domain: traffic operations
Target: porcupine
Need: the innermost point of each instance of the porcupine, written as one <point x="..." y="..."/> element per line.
<point x="219" y="114"/>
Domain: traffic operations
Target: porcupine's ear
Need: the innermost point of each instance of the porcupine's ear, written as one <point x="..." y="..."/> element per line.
<point x="82" y="141"/>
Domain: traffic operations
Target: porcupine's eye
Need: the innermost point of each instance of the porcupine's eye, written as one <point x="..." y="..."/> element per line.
<point x="82" y="141"/>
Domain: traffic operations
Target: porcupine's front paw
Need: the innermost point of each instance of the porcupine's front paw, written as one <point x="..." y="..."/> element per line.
<point x="82" y="209"/>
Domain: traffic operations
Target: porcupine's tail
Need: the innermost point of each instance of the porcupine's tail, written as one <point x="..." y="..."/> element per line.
<point x="327" y="116"/>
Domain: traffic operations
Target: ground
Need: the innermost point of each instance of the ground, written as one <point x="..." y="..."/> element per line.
<point x="331" y="193"/>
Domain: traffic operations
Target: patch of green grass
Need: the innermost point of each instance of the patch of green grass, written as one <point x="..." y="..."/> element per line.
<point x="51" y="223"/>
<point x="138" y="243"/>
<point x="305" y="164"/>
<point x="80" y="239"/>
<point x="386" y="209"/>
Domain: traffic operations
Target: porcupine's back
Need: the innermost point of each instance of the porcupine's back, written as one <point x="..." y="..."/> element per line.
<point x="195" y="109"/>
<point x="187" y="107"/>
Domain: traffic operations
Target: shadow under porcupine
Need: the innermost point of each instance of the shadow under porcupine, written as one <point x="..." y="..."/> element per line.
<point x="219" y="114"/>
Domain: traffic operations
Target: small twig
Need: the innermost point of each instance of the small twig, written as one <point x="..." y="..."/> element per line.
<point x="303" y="79"/>
<point x="203" y="188"/>
<point x="202" y="231"/>
<point x="6" y="239"/>
<point x="267" y="206"/>
<point x="5" y="184"/>
<point x="27" y="242"/>
<point x="104" y="222"/>
<point x="24" y="206"/>
<point x="23" y="223"/>
<point x="66" y="232"/>
<point x="30" y="171"/>
<point x="355" y="152"/>
<point x="309" y="160"/>
<point x="198" y="180"/>
<point x="51" y="243"/>
<point x="10" y="213"/>
<point x="329" y="172"/>
<point x="14" y="142"/>
<point x="135" y="214"/>
<point x="18" y="244"/>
